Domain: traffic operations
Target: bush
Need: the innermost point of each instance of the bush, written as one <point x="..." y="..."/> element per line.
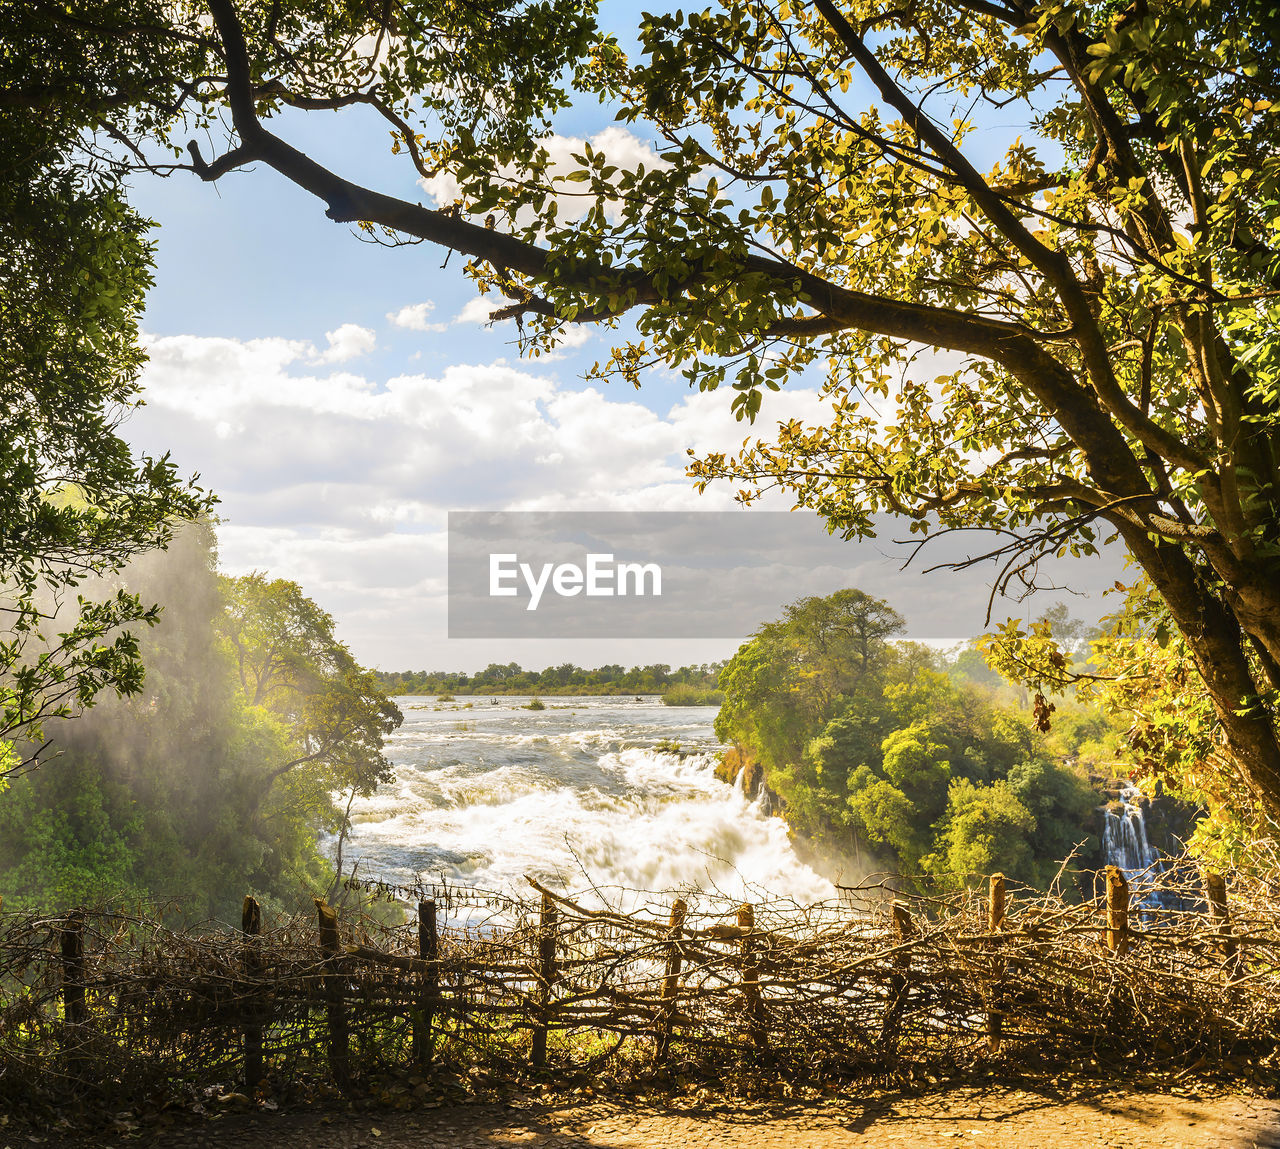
<point x="686" y="694"/>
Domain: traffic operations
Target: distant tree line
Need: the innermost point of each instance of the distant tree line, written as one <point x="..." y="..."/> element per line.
<point x="688" y="683"/>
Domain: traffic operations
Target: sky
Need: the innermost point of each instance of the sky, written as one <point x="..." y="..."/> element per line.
<point x="342" y="397"/>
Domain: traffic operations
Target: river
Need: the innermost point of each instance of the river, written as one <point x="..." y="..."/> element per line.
<point x="584" y="793"/>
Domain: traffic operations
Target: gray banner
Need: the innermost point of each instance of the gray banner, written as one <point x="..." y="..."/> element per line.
<point x="719" y="574"/>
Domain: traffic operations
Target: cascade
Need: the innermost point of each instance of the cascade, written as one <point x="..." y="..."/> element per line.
<point x="1125" y="845"/>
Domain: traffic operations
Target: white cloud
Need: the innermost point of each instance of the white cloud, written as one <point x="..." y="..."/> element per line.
<point x="575" y="334"/>
<point x="349" y="341"/>
<point x="414" y="317"/>
<point x="344" y="482"/>
<point x="478" y="310"/>
<point x="623" y="149"/>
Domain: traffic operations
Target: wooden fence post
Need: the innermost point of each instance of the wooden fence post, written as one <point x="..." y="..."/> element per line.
<point x="336" y="1007"/>
<point x="546" y="976"/>
<point x="995" y="994"/>
<point x="996" y="903"/>
<point x="251" y="963"/>
<point x="671" y="982"/>
<point x="904" y="930"/>
<point x="1117" y="912"/>
<point x="1215" y="889"/>
<point x="428" y="950"/>
<point x="751" y="979"/>
<point x="75" y="1006"/>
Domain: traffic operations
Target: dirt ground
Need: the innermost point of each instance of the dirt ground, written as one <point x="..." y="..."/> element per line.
<point x="989" y="1116"/>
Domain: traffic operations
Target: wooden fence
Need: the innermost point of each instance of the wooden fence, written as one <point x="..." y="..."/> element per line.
<point x="876" y="983"/>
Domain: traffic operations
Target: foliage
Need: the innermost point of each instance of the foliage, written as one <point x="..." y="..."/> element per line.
<point x="787" y="680"/>
<point x="193" y="789"/>
<point x="291" y="666"/>
<point x="988" y="830"/>
<point x="74" y="501"/>
<point x="686" y="694"/>
<point x="872" y="749"/>
<point x="1142" y="675"/>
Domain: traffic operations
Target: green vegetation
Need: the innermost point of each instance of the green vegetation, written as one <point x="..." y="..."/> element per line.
<point x="1141" y="672"/>
<point x="689" y="694"/>
<point x="880" y="754"/>
<point x="218" y="777"/>
<point x="1075" y="201"/>
<point x="75" y="266"/>
<point x="497" y="679"/>
<point x="1103" y="285"/>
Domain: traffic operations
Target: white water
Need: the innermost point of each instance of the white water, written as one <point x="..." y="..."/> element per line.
<point x="1124" y="838"/>
<point x="1125" y="844"/>
<point x="576" y="795"/>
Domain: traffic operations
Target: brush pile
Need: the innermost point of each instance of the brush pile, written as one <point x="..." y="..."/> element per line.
<point x="879" y="984"/>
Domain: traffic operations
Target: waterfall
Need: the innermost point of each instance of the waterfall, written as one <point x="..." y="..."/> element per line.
<point x="1125" y="845"/>
<point x="1124" y="838"/>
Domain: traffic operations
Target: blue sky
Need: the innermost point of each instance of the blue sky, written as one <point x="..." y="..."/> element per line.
<point x="342" y="397"/>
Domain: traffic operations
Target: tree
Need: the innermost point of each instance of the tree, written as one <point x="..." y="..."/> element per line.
<point x="794" y="673"/>
<point x="1168" y="733"/>
<point x="1060" y="801"/>
<point x="220" y="776"/>
<point x="1106" y="289"/>
<point x="873" y="757"/>
<point x="173" y="793"/>
<point x="888" y="817"/>
<point x="74" y="501"/>
<point x="292" y="667"/>
<point x="914" y="763"/>
<point x="987" y="829"/>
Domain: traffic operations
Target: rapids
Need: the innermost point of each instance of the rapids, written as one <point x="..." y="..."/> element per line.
<point x="584" y="793"/>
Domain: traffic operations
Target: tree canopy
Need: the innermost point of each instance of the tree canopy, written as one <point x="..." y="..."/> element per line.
<point x="1074" y="201"/>
<point x="683" y="686"/>
<point x="291" y="665"/>
<point x="75" y="264"/>
<point x="879" y="755"/>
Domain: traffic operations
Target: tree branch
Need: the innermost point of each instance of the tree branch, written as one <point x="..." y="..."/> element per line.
<point x="1052" y="264"/>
